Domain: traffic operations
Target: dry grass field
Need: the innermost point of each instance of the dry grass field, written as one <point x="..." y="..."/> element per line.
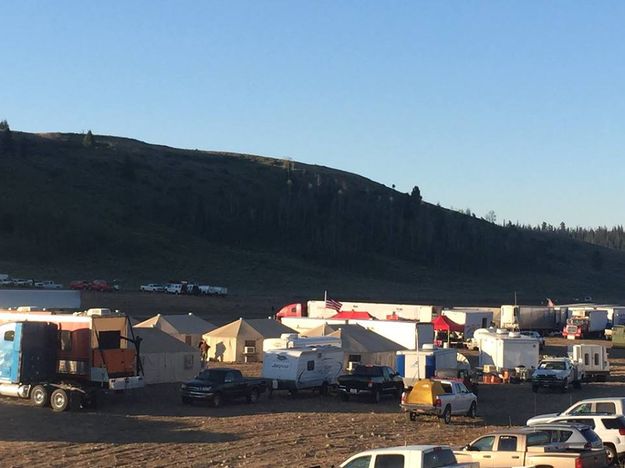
<point x="152" y="428"/>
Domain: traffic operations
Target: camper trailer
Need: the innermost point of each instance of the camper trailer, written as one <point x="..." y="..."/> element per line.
<point x="299" y="368"/>
<point x="507" y="350"/>
<point x="592" y="359"/>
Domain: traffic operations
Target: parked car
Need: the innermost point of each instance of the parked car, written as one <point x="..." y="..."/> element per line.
<point x="173" y="288"/>
<point x="410" y="456"/>
<point x="607" y="405"/>
<point x="48" y="285"/>
<point x="576" y="436"/>
<point x="609" y="428"/>
<point x="374" y="381"/>
<point x="101" y="286"/>
<point x="221" y="384"/>
<point x="442" y="398"/>
<point x="6" y="282"/>
<point x="557" y="372"/>
<point x="152" y="287"/>
<point x="22" y="283"/>
<point x="79" y="284"/>
<point x="527" y="446"/>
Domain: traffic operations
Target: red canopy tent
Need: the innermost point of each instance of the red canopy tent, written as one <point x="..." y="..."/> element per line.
<point x="444" y="323"/>
<point x="352" y="314"/>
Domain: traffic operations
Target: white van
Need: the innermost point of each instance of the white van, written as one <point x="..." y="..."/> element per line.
<point x="173" y="288"/>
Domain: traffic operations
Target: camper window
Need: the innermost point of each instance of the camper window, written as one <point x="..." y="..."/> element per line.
<point x="310" y="365"/>
<point x="250" y="343"/>
<point x="9" y="335"/>
<point x="586" y="359"/>
<point x="65" y="340"/>
<point x="354" y="358"/>
<point x="109" y="339"/>
<point x="596" y="359"/>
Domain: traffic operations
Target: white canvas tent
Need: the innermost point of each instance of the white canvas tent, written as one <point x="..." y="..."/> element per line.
<point x="166" y="359"/>
<point x="187" y="328"/>
<point x="242" y="340"/>
<point x="361" y="345"/>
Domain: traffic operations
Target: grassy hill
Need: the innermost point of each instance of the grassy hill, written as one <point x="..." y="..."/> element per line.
<point x="139" y="212"/>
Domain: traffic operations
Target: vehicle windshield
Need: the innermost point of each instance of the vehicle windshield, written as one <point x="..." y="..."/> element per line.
<point x="554" y="365"/>
<point x="212" y="376"/>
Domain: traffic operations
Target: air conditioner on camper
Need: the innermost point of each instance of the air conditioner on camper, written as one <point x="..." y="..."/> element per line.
<point x="249" y="350"/>
<point x="351" y="365"/>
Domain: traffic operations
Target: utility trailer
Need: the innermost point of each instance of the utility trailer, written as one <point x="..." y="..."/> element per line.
<point x="63" y="360"/>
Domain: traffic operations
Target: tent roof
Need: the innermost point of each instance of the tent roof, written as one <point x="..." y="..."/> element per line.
<point x="157" y="341"/>
<point x="355" y="338"/>
<point x="188" y="324"/>
<point x="267" y="328"/>
<point x="353" y="314"/>
<point x="442" y="322"/>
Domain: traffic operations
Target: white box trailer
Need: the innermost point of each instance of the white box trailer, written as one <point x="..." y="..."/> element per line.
<point x="411" y="335"/>
<point x="421" y="313"/>
<point x="296" y="369"/>
<point x="414" y="365"/>
<point x="507" y="350"/>
<point x="592" y="359"/>
<point x="406" y="333"/>
<point x="471" y="319"/>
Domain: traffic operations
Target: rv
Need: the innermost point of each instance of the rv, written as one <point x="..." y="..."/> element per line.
<point x="299" y="368"/>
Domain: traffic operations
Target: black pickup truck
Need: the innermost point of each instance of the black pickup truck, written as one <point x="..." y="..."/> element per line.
<point x="220" y="384"/>
<point x="373" y="380"/>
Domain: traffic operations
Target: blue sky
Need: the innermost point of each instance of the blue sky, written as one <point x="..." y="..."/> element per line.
<point x="516" y="107"/>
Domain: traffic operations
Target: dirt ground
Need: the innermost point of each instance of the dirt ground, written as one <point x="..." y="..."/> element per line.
<point x="150" y="427"/>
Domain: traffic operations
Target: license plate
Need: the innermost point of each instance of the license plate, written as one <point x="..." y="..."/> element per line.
<point x="274" y="384"/>
<point x="353" y="390"/>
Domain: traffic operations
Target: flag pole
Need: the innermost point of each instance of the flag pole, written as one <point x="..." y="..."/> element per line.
<point x="325" y="296"/>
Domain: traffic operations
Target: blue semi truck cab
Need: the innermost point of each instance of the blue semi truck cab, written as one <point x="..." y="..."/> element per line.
<point x="28" y="365"/>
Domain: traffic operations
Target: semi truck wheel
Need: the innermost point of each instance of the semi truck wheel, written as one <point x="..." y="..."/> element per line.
<point x="59" y="400"/>
<point x="39" y="396"/>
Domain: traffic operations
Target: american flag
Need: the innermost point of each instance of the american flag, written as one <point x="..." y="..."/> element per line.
<point x="332" y="304"/>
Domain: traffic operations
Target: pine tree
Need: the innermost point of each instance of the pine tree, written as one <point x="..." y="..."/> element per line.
<point x="88" y="141"/>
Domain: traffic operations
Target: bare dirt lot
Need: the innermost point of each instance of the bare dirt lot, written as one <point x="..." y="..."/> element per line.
<point x="152" y="428"/>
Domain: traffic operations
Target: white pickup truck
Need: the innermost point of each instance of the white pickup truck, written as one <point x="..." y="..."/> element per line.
<point x="527" y="446"/>
<point x="442" y="398"/>
<point x="410" y="456"/>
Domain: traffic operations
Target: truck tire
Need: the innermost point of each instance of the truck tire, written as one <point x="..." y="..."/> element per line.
<point x="217" y="400"/>
<point x="253" y="396"/>
<point x="40" y="396"/>
<point x="565" y="387"/>
<point x="472" y="410"/>
<point x="446" y="416"/>
<point x="376" y="396"/>
<point x="59" y="400"/>
<point x="611" y="455"/>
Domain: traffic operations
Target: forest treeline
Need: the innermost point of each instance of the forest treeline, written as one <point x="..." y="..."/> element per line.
<point x="71" y="195"/>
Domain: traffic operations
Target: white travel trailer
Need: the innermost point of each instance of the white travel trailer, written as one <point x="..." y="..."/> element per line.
<point x="296" y="369"/>
<point x="471" y="319"/>
<point x="592" y="359"/>
<point x="507" y="350"/>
